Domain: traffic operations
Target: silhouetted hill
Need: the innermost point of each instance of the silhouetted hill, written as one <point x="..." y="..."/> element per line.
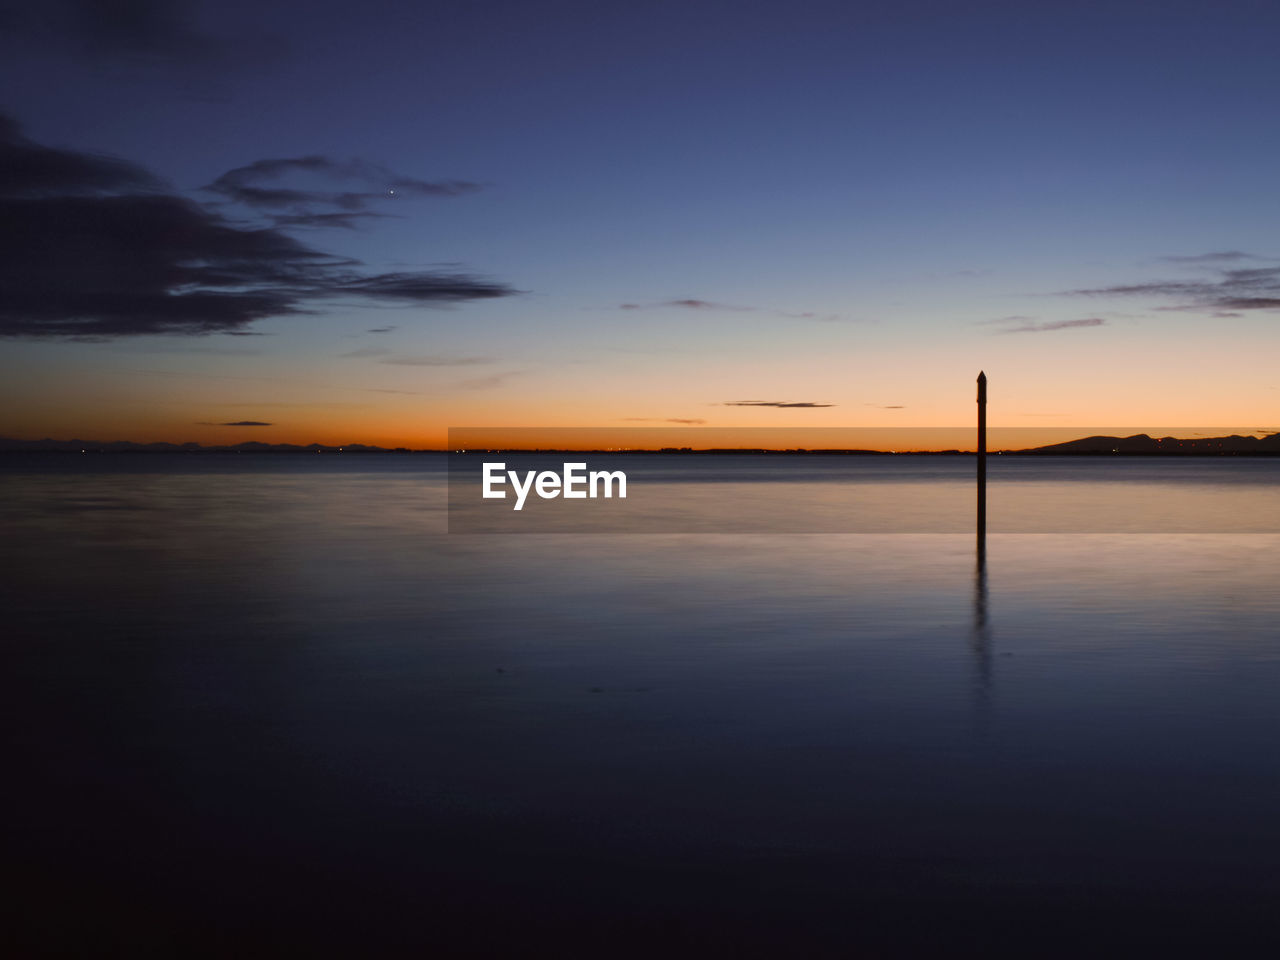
<point x="1141" y="444"/>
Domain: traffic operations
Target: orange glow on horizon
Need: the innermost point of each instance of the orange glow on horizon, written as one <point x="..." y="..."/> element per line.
<point x="887" y="439"/>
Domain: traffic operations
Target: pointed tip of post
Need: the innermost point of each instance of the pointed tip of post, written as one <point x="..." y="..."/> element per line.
<point x="982" y="375"/>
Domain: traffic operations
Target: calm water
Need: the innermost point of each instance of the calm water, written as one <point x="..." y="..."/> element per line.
<point x="821" y="493"/>
<point x="257" y="702"/>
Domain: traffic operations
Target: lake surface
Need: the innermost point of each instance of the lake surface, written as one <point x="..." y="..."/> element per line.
<point x="266" y="702"/>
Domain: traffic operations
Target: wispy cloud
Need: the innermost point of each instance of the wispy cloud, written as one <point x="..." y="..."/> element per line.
<point x="1237" y="289"/>
<point x="437" y="360"/>
<point x="1015" y="319"/>
<point x="700" y="305"/>
<point x="489" y="382"/>
<point x="95" y="248"/>
<point x="419" y="287"/>
<point x="686" y="303"/>
<point x="380" y="330"/>
<point x="1224" y="256"/>
<point x="774" y="403"/>
<point x="238" y="423"/>
<point x="690" y="421"/>
<point x="695" y="303"/>
<point x="810" y="315"/>
<point x="202" y="351"/>
<point x="305" y="201"/>
<point x="1033" y="327"/>
<point x="885" y="406"/>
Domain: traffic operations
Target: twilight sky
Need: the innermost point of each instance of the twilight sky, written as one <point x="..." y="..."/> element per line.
<point x="371" y="221"/>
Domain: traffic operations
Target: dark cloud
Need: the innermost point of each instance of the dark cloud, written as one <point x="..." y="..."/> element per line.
<point x="92" y="249"/>
<point x="243" y="423"/>
<point x="29" y="170"/>
<point x="773" y="403"/>
<point x="886" y="406"/>
<point x="420" y="287"/>
<point x="1033" y="327"/>
<point x="437" y="360"/>
<point x="380" y="329"/>
<point x="1242" y="288"/>
<point x="108" y="28"/>
<point x="135" y="32"/>
<point x="138" y="28"/>
<point x="345" y="221"/>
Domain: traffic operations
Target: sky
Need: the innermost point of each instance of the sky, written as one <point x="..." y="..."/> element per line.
<point x="338" y="222"/>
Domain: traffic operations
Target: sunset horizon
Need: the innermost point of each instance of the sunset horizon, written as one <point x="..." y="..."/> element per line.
<point x="640" y="481"/>
<point x="698" y="438"/>
<point x="409" y="269"/>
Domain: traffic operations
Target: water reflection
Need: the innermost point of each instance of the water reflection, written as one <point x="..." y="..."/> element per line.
<point x="980" y="635"/>
<point x="303" y="672"/>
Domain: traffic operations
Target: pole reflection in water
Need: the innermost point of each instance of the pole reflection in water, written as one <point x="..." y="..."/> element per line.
<point x="980" y="637"/>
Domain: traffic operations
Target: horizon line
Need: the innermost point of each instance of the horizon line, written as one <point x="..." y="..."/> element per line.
<point x="1141" y="442"/>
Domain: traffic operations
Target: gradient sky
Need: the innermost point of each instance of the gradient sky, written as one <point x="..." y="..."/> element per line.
<point x="636" y="214"/>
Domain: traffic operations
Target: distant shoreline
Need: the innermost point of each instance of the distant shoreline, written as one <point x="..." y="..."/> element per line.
<point x="288" y="449"/>
<point x="1139" y="445"/>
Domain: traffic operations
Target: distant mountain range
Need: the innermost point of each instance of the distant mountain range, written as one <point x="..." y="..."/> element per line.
<point x="1140" y="444"/>
<point x="1137" y="445"/>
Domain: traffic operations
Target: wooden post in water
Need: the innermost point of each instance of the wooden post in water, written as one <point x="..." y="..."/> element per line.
<point x="981" y="632"/>
<point x="982" y="459"/>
